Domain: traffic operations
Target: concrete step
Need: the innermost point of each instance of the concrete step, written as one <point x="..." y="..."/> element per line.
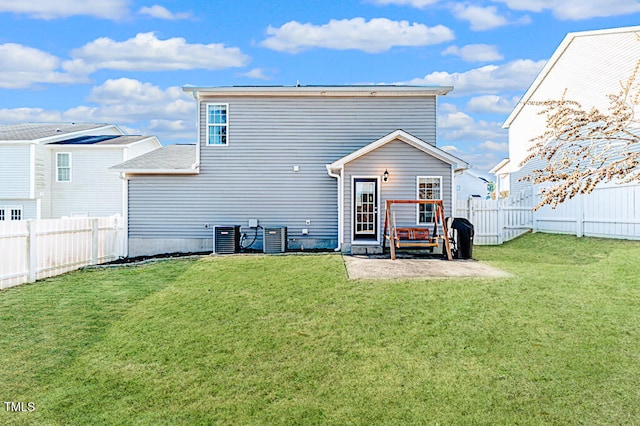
<point x="366" y="249"/>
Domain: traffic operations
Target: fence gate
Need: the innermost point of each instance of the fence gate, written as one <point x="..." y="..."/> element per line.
<point x="497" y="221"/>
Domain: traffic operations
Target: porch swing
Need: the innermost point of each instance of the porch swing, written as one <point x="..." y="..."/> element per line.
<point x="415" y="236"/>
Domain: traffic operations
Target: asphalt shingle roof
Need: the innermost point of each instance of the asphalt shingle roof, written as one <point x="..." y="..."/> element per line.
<point x="33" y="131"/>
<point x="170" y="157"/>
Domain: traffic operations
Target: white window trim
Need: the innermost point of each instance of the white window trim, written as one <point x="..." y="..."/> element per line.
<point x="58" y="168"/>
<point x="353" y="218"/>
<point x="8" y="210"/>
<point x="418" y="196"/>
<point x="206" y="142"/>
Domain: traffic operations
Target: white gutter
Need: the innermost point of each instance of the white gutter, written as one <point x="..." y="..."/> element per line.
<point x="340" y="207"/>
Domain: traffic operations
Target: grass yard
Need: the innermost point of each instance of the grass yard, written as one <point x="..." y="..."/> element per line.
<point x="289" y="340"/>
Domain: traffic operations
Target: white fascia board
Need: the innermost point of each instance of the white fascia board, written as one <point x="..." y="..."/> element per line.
<point x="148" y="172"/>
<point x="18" y="142"/>
<point x="501" y="165"/>
<point x="319" y="91"/>
<point x="153" y="138"/>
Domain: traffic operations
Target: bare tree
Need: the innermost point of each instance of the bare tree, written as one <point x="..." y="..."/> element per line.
<point x="581" y="149"/>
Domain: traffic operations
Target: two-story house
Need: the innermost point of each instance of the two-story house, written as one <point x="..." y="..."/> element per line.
<point x="51" y="170"/>
<point x="310" y="158"/>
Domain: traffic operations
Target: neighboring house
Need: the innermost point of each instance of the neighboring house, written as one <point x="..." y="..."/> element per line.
<point x="469" y="184"/>
<point x="502" y="171"/>
<point x="590" y="66"/>
<point x="52" y="170"/>
<point x="308" y="158"/>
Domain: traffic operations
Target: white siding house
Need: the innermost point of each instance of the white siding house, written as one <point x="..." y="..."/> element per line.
<point x="587" y="67"/>
<point x="468" y="184"/>
<point x="51" y="170"/>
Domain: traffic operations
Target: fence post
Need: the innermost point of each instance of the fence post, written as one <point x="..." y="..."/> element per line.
<point x="499" y="226"/>
<point x="32" y="252"/>
<point x="580" y="219"/>
<point x="94" y="241"/>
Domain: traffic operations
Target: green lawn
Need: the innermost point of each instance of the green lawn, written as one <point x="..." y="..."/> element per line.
<point x="289" y="340"/>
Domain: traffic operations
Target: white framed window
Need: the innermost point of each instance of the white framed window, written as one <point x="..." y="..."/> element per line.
<point x="63" y="167"/>
<point x="429" y="188"/>
<point x="217" y="124"/>
<point x="16" y="213"/>
<point x="10" y="213"/>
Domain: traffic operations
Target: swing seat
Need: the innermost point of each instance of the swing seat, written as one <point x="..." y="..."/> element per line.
<point x="414" y="237"/>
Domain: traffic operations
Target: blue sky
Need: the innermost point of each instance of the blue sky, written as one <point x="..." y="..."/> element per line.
<point x="125" y="61"/>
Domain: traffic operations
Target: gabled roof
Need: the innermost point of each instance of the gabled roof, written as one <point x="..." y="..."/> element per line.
<point x="501" y="167"/>
<point x="473" y="175"/>
<point x="603" y="56"/>
<point x="170" y="159"/>
<point x="44" y="131"/>
<point x="407" y="138"/>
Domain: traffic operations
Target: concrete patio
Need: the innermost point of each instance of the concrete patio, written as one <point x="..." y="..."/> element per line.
<point x="372" y="267"/>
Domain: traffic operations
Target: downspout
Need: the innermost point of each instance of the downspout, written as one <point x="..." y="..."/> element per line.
<point x="338" y="177"/>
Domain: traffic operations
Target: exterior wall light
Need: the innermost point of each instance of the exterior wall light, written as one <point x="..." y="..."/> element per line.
<point x="385" y="175"/>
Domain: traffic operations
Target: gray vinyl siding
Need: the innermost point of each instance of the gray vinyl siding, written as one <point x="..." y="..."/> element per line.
<point x="15" y="174"/>
<point x="254" y="178"/>
<point x="326" y="122"/>
<point x="404" y="164"/>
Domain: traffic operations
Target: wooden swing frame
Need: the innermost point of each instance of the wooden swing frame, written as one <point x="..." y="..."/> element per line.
<point x="399" y="237"/>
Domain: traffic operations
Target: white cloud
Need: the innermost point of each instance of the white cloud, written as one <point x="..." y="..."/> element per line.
<point x="495" y="146"/>
<point x="22" y="66"/>
<point x="127" y="100"/>
<point x="492" y="104"/>
<point x="48" y="9"/>
<point x="485" y="142"/>
<point x="576" y="9"/>
<point x="376" y="35"/>
<point x="145" y="52"/>
<point x="161" y="12"/>
<point x="23" y="115"/>
<point x="480" y="18"/>
<point x="490" y="79"/>
<point x="475" y="52"/>
<point x="420" y="4"/>
<point x="143" y="107"/>
<point x="458" y="126"/>
<point x="257" y="73"/>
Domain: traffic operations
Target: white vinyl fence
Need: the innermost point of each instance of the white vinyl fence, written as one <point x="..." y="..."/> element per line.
<point x="36" y="249"/>
<point x="609" y="212"/>
<point x="497" y="221"/>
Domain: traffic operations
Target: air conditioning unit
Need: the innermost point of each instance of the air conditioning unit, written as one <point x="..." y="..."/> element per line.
<point x="274" y="240"/>
<point x="226" y="239"/>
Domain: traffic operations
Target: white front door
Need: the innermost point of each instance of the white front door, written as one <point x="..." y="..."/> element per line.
<point x="365" y="208"/>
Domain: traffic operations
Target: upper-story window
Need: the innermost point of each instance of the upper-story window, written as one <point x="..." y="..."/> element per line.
<point x="63" y="167"/>
<point x="217" y="124"/>
<point x="429" y="188"/>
